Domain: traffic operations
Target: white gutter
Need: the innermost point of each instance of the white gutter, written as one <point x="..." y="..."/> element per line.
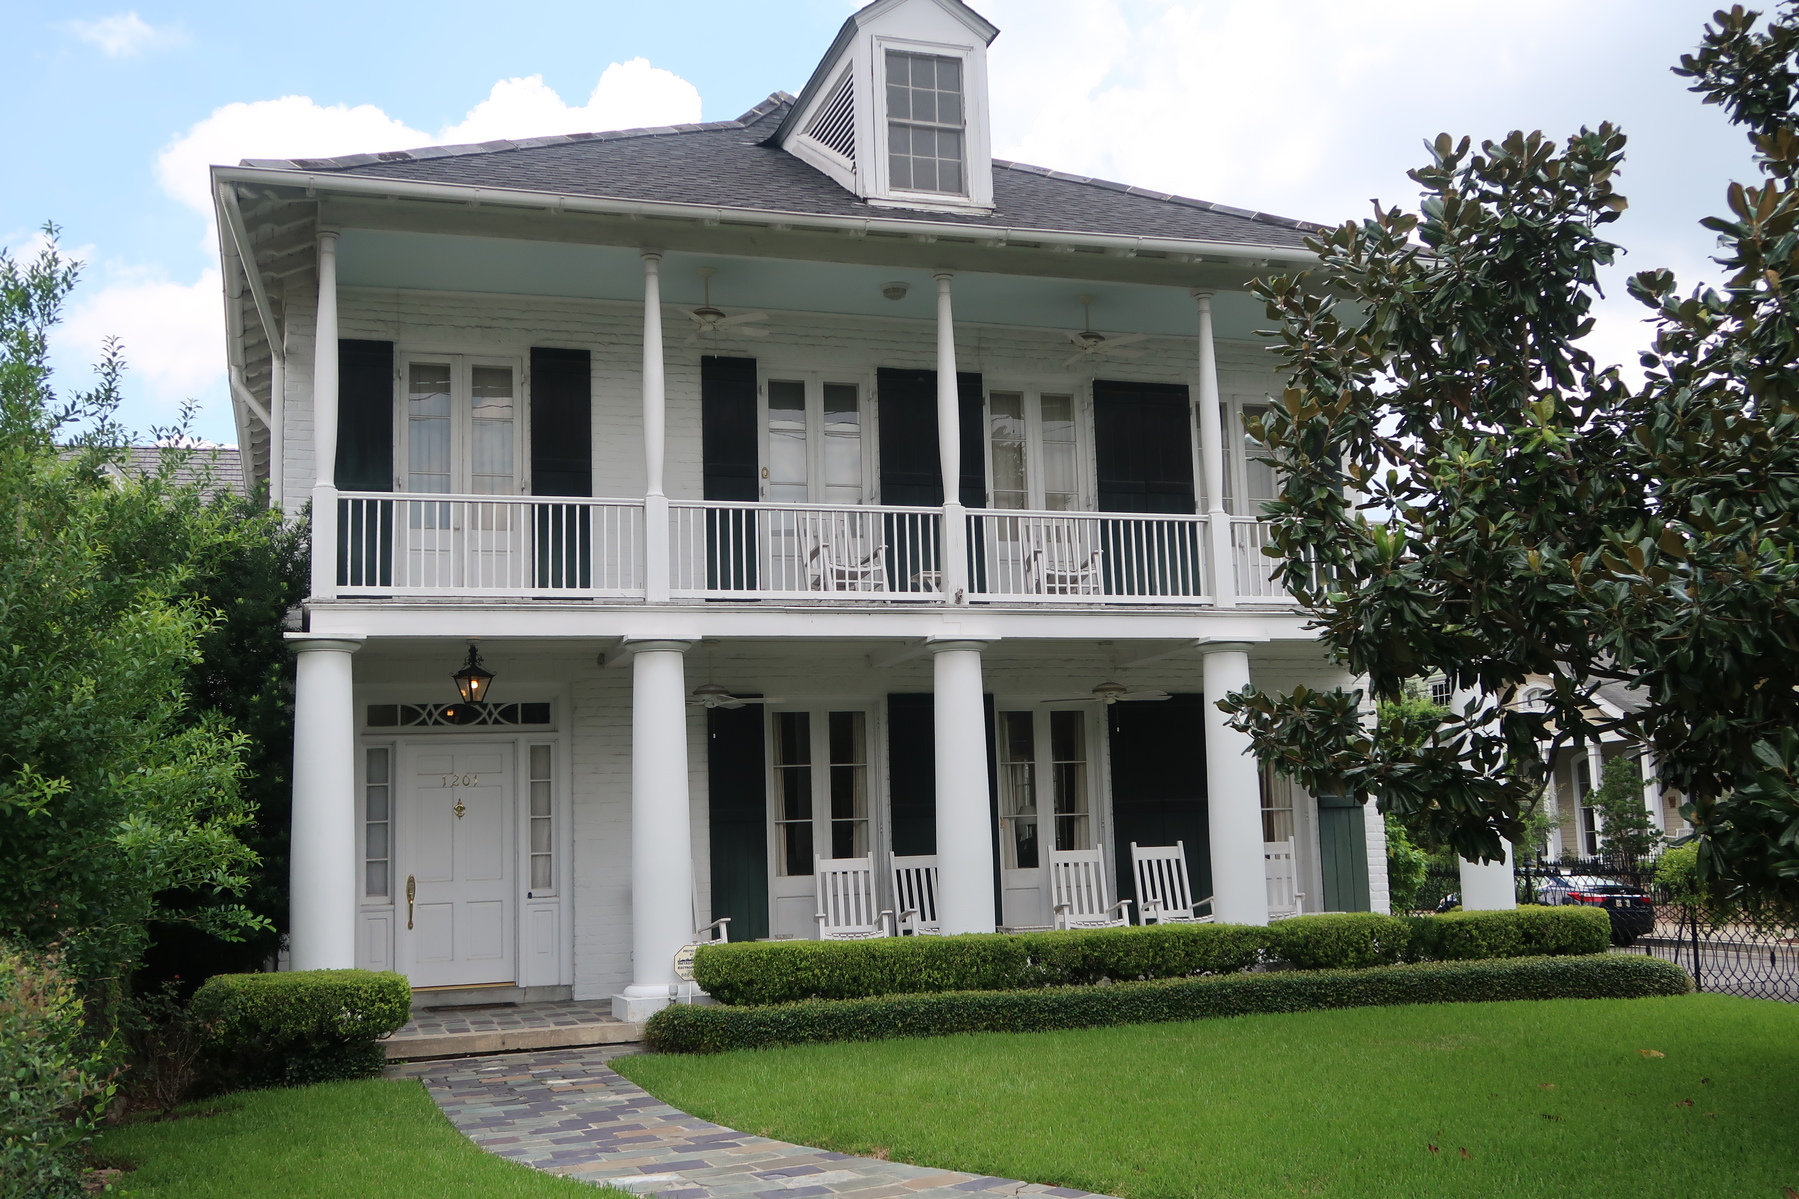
<point x="362" y="185"/>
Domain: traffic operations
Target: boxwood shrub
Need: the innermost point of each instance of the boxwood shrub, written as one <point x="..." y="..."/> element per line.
<point x="716" y="1029"/>
<point x="301" y="1026"/>
<point x="1529" y="931"/>
<point x="1339" y="941"/>
<point x="782" y="971"/>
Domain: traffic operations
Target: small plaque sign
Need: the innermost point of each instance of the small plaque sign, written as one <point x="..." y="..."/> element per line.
<point x="684" y="963"/>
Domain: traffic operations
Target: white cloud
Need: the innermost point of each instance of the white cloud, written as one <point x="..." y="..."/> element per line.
<point x="629" y="95"/>
<point x="125" y="35"/>
<point x="173" y="335"/>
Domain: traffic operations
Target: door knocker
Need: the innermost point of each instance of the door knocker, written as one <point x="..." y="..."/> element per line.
<point x="459" y="809"/>
<point x="460" y="780"/>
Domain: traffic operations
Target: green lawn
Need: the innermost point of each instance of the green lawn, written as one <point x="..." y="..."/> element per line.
<point x="1532" y="1100"/>
<point x="341" y="1140"/>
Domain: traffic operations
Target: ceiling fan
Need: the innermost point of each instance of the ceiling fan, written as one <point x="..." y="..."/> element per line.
<point x="711" y="320"/>
<point x="711" y="695"/>
<point x="1089" y="344"/>
<point x="1109" y="693"/>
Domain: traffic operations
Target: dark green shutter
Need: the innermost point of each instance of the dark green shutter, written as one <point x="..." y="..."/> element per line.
<point x="1159" y="786"/>
<point x="365" y="415"/>
<point x="1143" y="447"/>
<point x="730" y="456"/>
<point x="737" y="807"/>
<point x="1343" y="854"/>
<point x="906" y="410"/>
<point x="911" y="773"/>
<point x="561" y="421"/>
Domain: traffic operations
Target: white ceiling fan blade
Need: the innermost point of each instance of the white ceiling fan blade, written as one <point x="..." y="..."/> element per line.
<point x="761" y="699"/>
<point x="1139" y="696"/>
<point x="742" y="319"/>
<point x="1074" y="358"/>
<point x="748" y="331"/>
<point x="1076" y="338"/>
<point x="1073" y="699"/>
<point x="732" y="704"/>
<point x="694" y="316"/>
<point x="1125" y="355"/>
<point x="1125" y="339"/>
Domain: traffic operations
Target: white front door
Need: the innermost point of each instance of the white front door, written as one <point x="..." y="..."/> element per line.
<point x="456" y="901"/>
<point x="818" y="804"/>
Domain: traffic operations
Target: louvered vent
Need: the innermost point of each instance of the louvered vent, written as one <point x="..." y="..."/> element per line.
<point x="835" y="125"/>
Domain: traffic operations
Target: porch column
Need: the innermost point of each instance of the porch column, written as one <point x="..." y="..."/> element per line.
<point x="1233" y="795"/>
<point x="661" y="832"/>
<point x="964" y="812"/>
<point x="322" y="849"/>
<point x="324" y="423"/>
<point x="655" y="409"/>
<point x="1652" y="790"/>
<point x="949" y="449"/>
<point x="1211" y="463"/>
<point x="1488" y="886"/>
<point x="1596" y="775"/>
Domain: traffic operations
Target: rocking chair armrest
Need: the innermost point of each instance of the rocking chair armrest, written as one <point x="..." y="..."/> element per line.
<point x="1120" y="906"/>
<point x="1064" y="907"/>
<point x="724" y="934"/>
<point x="887" y="915"/>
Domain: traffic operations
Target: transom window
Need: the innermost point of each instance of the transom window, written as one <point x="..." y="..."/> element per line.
<point x="814" y="443"/>
<point x="460" y="426"/>
<point x="925" y="122"/>
<point x="1033" y="452"/>
<point x="819" y="756"/>
<point x="1036" y="748"/>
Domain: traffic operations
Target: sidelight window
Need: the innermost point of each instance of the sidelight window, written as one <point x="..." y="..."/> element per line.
<point x="542" y="797"/>
<point x="377" y="822"/>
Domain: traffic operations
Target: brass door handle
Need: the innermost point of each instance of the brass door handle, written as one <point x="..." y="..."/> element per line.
<point x="412" y="890"/>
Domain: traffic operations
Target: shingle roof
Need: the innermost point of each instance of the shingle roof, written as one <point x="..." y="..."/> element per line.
<point x="219" y="469"/>
<point x="729" y="164"/>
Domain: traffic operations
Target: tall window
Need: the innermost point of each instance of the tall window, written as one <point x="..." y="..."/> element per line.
<point x="461" y="427"/>
<point x="543" y="855"/>
<point x="814" y="443"/>
<point x="793" y="792"/>
<point x="1068" y="764"/>
<point x="823" y="754"/>
<point x="924" y="123"/>
<point x="1250" y="480"/>
<point x="1018" y="788"/>
<point x="1277" y="807"/>
<point x="849" y="784"/>
<point x="377" y="822"/>
<point x="1035" y="459"/>
<point x="1033" y="747"/>
<point x="1589" y="816"/>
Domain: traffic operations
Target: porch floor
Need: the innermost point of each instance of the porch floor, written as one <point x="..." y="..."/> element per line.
<point x="510" y="1028"/>
<point x="567" y="1113"/>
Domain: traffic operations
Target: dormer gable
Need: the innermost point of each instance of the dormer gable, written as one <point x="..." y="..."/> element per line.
<point x="897" y="110"/>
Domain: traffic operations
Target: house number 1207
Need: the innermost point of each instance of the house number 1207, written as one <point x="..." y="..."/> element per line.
<point x="460" y="780"/>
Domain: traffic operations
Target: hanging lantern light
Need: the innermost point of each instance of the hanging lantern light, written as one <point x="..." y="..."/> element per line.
<point x="472" y="681"/>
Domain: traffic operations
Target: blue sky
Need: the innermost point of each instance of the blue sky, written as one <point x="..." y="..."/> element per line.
<point x="1303" y="107"/>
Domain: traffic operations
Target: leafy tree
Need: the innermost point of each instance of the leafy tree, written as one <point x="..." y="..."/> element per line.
<point x="114" y="792"/>
<point x="1626" y="830"/>
<point x="1467" y="491"/>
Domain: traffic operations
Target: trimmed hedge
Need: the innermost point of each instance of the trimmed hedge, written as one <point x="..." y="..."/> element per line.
<point x="302" y="1026"/>
<point x="1529" y="931"/>
<point x="763" y="972"/>
<point x="717" y="1029"/>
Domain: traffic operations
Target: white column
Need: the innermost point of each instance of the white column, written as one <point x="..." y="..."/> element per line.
<point x="661" y="830"/>
<point x="1211" y="462"/>
<point x="277" y="429"/>
<point x="1488" y="886"/>
<point x="1596" y="772"/>
<point x="949" y="450"/>
<point x="322" y="847"/>
<point x="324" y="423"/>
<point x="655" y="423"/>
<point x="1652" y="791"/>
<point x="964" y="812"/>
<point x="1233" y="795"/>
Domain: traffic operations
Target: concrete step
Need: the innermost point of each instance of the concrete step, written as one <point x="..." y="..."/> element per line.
<point x="509" y="1028"/>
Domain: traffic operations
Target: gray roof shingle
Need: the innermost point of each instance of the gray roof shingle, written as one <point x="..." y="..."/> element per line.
<point x="730" y="164"/>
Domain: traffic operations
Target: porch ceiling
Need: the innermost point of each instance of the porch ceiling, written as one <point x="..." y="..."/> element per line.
<point x="381" y="258"/>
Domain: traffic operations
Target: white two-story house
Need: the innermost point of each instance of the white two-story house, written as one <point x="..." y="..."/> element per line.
<point x="811" y="484"/>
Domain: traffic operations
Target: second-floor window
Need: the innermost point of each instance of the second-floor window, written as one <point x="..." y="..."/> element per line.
<point x="1035" y="461"/>
<point x="460" y="426"/>
<point x="814" y="443"/>
<point x="925" y="123"/>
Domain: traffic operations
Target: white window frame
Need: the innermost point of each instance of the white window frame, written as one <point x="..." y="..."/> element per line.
<point x="815" y="381"/>
<point x="874" y="781"/>
<point x="461" y="417"/>
<point x="1086" y="469"/>
<point x="977" y="180"/>
<point x="1099" y="792"/>
<point x="1236" y="455"/>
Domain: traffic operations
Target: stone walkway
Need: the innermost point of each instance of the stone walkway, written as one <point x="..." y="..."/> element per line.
<point x="509" y="1027"/>
<point x="566" y="1112"/>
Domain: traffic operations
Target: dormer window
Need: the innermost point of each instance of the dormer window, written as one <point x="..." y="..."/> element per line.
<point x="925" y="121"/>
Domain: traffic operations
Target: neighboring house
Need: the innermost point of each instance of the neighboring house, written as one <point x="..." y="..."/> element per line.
<point x="1577" y="771"/>
<point x="217" y="469"/>
<point x="805" y="409"/>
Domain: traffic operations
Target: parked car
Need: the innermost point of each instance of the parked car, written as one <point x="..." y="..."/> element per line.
<point x="1632" y="911"/>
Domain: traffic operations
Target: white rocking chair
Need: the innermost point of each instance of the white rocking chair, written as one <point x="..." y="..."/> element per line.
<point x="839" y="557"/>
<point x="1055" y="565"/>
<point x="1163" y="894"/>
<point x="915" y="894"/>
<point x="846" y="901"/>
<point x="1077" y="879"/>
<point x="1284" y="897"/>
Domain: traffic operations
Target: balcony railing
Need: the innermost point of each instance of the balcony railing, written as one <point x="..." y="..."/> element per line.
<point x="538" y="546"/>
<point x="1087" y="558"/>
<point x="489" y="545"/>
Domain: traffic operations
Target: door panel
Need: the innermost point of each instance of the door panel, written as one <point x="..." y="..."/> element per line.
<point x="1343" y="854"/>
<point x="455" y="844"/>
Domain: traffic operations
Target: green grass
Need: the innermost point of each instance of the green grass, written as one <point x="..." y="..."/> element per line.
<point x="354" y="1140"/>
<point x="1534" y="1100"/>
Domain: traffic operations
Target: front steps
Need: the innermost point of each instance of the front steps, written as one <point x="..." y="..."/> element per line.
<point x="457" y="1027"/>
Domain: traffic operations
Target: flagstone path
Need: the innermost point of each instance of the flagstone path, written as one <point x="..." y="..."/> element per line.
<point x="565" y="1111"/>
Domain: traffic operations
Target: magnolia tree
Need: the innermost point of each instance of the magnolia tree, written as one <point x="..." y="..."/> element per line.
<point x="1467" y="491"/>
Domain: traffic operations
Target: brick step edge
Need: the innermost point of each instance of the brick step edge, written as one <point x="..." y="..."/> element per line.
<point x="511" y="1040"/>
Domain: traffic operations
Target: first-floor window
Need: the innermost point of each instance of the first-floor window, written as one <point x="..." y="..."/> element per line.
<point x="823" y="754"/>
<point x="377" y="821"/>
<point x="1018" y="788"/>
<point x="1277" y="807"/>
<point x="1035" y="747"/>
<point x="793" y="792"/>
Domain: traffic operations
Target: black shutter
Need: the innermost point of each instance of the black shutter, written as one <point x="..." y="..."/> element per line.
<point x="912" y="773"/>
<point x="1343" y="853"/>
<point x="1159" y="786"/>
<point x="911" y="468"/>
<point x="971" y="409"/>
<point x="728" y="441"/>
<point x="737" y="807"/>
<point x="561" y="422"/>
<point x="365" y="415"/>
<point x="1143" y="444"/>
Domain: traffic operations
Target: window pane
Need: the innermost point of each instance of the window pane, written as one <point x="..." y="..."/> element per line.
<point x="924" y="119"/>
<point x="1018" y="789"/>
<point x="793" y="791"/>
<point x="375" y="879"/>
<point x="540" y="836"/>
<point x="1277" y="808"/>
<point x="1258" y="474"/>
<point x="377" y="767"/>
<point x="377" y="802"/>
<point x="540" y="799"/>
<point x="1068" y="759"/>
<point x="843" y="444"/>
<point x="491" y="442"/>
<point x="540" y="761"/>
<point x="1011" y="484"/>
<point x="428" y="427"/>
<point x="787" y="442"/>
<point x="377" y="840"/>
<point x="1060" y="479"/>
<point x="541" y="878"/>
